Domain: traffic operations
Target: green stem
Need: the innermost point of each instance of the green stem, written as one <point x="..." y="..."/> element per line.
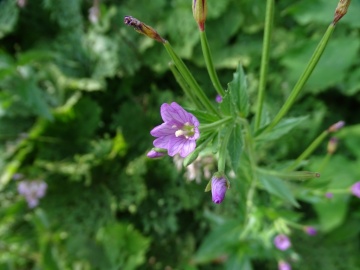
<point x="215" y="125"/>
<point x="223" y="149"/>
<point x="184" y="86"/>
<point x="325" y="162"/>
<point x="298" y="175"/>
<point x="190" y="80"/>
<point x="209" y="64"/>
<point x="308" y="151"/>
<point x="303" y="78"/>
<point x="249" y="144"/>
<point x="269" y="19"/>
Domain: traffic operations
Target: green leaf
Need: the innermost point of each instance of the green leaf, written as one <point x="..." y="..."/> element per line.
<point x="321" y="11"/>
<point x="124" y="246"/>
<point x="34" y="98"/>
<point x="227" y="106"/>
<point x="218" y="241"/>
<point x="235" y="146"/>
<point x="238" y="92"/>
<point x="8" y="16"/>
<point x="277" y="187"/>
<point x="284" y="127"/>
<point x="325" y="74"/>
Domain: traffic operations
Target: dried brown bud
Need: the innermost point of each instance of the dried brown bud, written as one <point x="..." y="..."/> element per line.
<point x="144" y="29"/>
<point x="332" y="145"/>
<point x="335" y="127"/>
<point x="341" y="10"/>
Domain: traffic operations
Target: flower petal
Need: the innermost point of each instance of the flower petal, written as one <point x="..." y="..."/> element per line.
<point x="174" y="112"/>
<point x="162" y="130"/>
<point x="188" y="147"/>
<point x="175" y="145"/>
<point x="162" y="142"/>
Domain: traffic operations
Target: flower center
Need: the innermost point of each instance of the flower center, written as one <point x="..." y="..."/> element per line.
<point x="187" y="131"/>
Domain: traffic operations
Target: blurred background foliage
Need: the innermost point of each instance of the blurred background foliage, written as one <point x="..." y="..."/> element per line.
<point x="79" y="95"/>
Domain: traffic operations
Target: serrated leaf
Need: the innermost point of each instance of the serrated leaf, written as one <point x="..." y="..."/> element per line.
<point x="226" y="106"/>
<point x="238" y="92"/>
<point x="284" y="126"/>
<point x="277" y="187"/>
<point x="235" y="146"/>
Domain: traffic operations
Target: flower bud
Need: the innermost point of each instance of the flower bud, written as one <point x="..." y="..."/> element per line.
<point x="332" y="145"/>
<point x="199" y="9"/>
<point x="341" y="10"/>
<point x="144" y="29"/>
<point x="156" y="153"/>
<point x="336" y="127"/>
<point x="355" y="189"/>
<point x="219" y="185"/>
<point x="329" y="195"/>
<point x="218" y="99"/>
<point x="310" y="230"/>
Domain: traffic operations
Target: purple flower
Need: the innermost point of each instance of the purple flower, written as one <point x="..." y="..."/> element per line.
<point x="329" y="195"/>
<point x="155" y="154"/>
<point x="282" y="242"/>
<point x="218" y="99"/>
<point x="355" y="189"/>
<point x="284" y="265"/>
<point x="32" y="191"/>
<point x="178" y="133"/>
<point x="310" y="230"/>
<point x="219" y="185"/>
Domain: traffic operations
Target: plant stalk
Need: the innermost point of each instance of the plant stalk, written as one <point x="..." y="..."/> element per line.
<point x="269" y="20"/>
<point x="210" y="65"/>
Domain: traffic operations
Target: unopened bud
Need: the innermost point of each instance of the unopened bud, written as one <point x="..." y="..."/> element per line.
<point x="199" y="9"/>
<point x="144" y="29"/>
<point x="219" y="186"/>
<point x="337" y="126"/>
<point x="341" y="10"/>
<point x="156" y="153"/>
<point x="310" y="230"/>
<point x="332" y="145"/>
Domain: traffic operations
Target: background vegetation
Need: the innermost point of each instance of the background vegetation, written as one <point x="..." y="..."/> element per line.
<point x="78" y="98"/>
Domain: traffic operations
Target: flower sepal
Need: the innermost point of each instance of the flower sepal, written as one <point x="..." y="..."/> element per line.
<point x="156" y="153"/>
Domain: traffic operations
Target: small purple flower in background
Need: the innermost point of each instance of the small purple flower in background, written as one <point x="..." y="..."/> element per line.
<point x="218" y="99"/>
<point x="310" y="230"/>
<point x="329" y="195"/>
<point x="355" y="189"/>
<point x="282" y="242"/>
<point x="335" y="127"/>
<point x="32" y="191"/>
<point x="17" y="176"/>
<point x="284" y="265"/>
<point x="155" y="154"/>
<point x="178" y="133"/>
<point x="219" y="185"/>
